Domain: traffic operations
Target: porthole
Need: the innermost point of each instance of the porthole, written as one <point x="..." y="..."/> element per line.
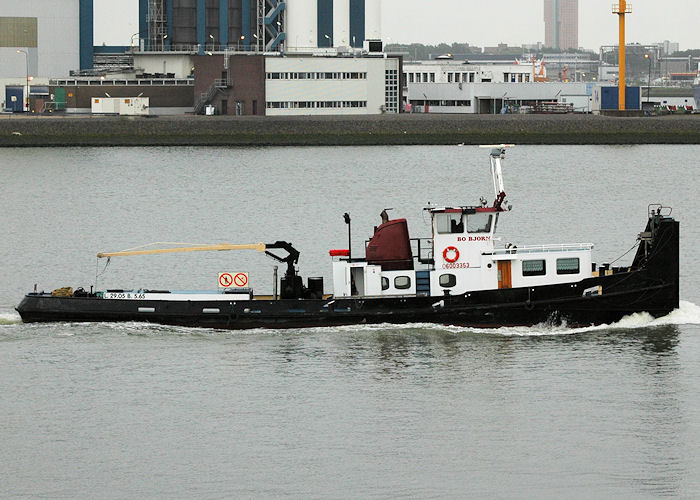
<point x="402" y="282"/>
<point x="385" y="283"/>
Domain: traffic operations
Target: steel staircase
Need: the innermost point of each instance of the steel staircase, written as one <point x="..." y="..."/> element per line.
<point x="207" y="97"/>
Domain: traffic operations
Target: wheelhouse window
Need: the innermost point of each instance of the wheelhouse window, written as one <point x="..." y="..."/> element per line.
<point x="534" y="268"/>
<point x="447" y="280"/>
<point x="450" y="223"/>
<point x="385" y="283"/>
<point x="402" y="282"/>
<point x="568" y="266"/>
<point x="479" y="223"/>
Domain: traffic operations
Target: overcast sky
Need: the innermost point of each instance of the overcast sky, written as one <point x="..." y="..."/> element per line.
<point x="479" y="22"/>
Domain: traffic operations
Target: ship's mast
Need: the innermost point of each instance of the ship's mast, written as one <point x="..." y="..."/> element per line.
<point x="498" y="153"/>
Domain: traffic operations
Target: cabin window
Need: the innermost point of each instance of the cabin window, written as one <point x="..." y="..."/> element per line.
<point x="534" y="268"/>
<point x="450" y="223"/>
<point x="568" y="266"/>
<point x="385" y="283"/>
<point x="447" y="280"/>
<point x="402" y="282"/>
<point x="479" y="223"/>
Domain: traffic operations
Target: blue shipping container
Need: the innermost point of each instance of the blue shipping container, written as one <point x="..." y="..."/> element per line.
<point x="609" y="98"/>
<point x="14" y="99"/>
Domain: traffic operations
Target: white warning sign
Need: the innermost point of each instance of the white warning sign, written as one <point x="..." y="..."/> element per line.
<point x="233" y="280"/>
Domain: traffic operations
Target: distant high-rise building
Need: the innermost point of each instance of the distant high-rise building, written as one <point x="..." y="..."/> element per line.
<point x="561" y="24"/>
<point x="669" y="47"/>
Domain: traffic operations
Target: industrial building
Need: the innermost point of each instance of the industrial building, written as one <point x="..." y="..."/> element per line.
<point x="297" y="84"/>
<point x="270" y="57"/>
<point x="322" y="86"/>
<point x="169" y="96"/>
<point x="39" y="39"/>
<point x="259" y="25"/>
<point x="561" y="24"/>
<point x="244" y="57"/>
<point x="499" y="97"/>
<point x="447" y="86"/>
<point x="496" y="98"/>
<point x="448" y="71"/>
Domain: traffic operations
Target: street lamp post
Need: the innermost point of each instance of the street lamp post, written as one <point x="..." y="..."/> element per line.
<point x="257" y="42"/>
<point x="132" y="41"/>
<point x="25" y="104"/>
<point x="330" y="40"/>
<point x="279" y="30"/>
<point x="646" y="56"/>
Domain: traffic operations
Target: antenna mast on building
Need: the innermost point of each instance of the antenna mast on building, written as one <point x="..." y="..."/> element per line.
<point x="621" y="9"/>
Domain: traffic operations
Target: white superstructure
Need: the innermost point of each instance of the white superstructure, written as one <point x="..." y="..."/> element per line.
<point x="463" y="256"/>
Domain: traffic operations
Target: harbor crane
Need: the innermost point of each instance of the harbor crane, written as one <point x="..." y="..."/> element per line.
<point x="621" y="9"/>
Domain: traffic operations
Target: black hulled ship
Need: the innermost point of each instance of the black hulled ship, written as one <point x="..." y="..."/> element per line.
<point x="457" y="276"/>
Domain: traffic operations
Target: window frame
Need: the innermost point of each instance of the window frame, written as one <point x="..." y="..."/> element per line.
<point x="452" y="282"/>
<point x="528" y="274"/>
<point x="577" y="270"/>
<point x="480" y="215"/>
<point x="386" y="284"/>
<point x="402" y="287"/>
<point x="451" y="217"/>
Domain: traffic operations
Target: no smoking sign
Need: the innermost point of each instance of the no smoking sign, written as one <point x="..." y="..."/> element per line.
<point x="233" y="280"/>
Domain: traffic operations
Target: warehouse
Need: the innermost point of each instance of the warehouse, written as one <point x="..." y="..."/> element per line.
<point x="494" y="98"/>
<point x="448" y="71"/>
<point x="38" y="40"/>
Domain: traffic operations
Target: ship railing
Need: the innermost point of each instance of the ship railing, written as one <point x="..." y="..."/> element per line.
<point x="569" y="247"/>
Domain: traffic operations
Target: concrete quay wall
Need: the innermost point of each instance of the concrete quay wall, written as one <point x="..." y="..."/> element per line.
<point x="58" y="131"/>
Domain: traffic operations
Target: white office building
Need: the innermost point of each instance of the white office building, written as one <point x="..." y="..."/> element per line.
<point x="449" y="71"/>
<point x="311" y="85"/>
